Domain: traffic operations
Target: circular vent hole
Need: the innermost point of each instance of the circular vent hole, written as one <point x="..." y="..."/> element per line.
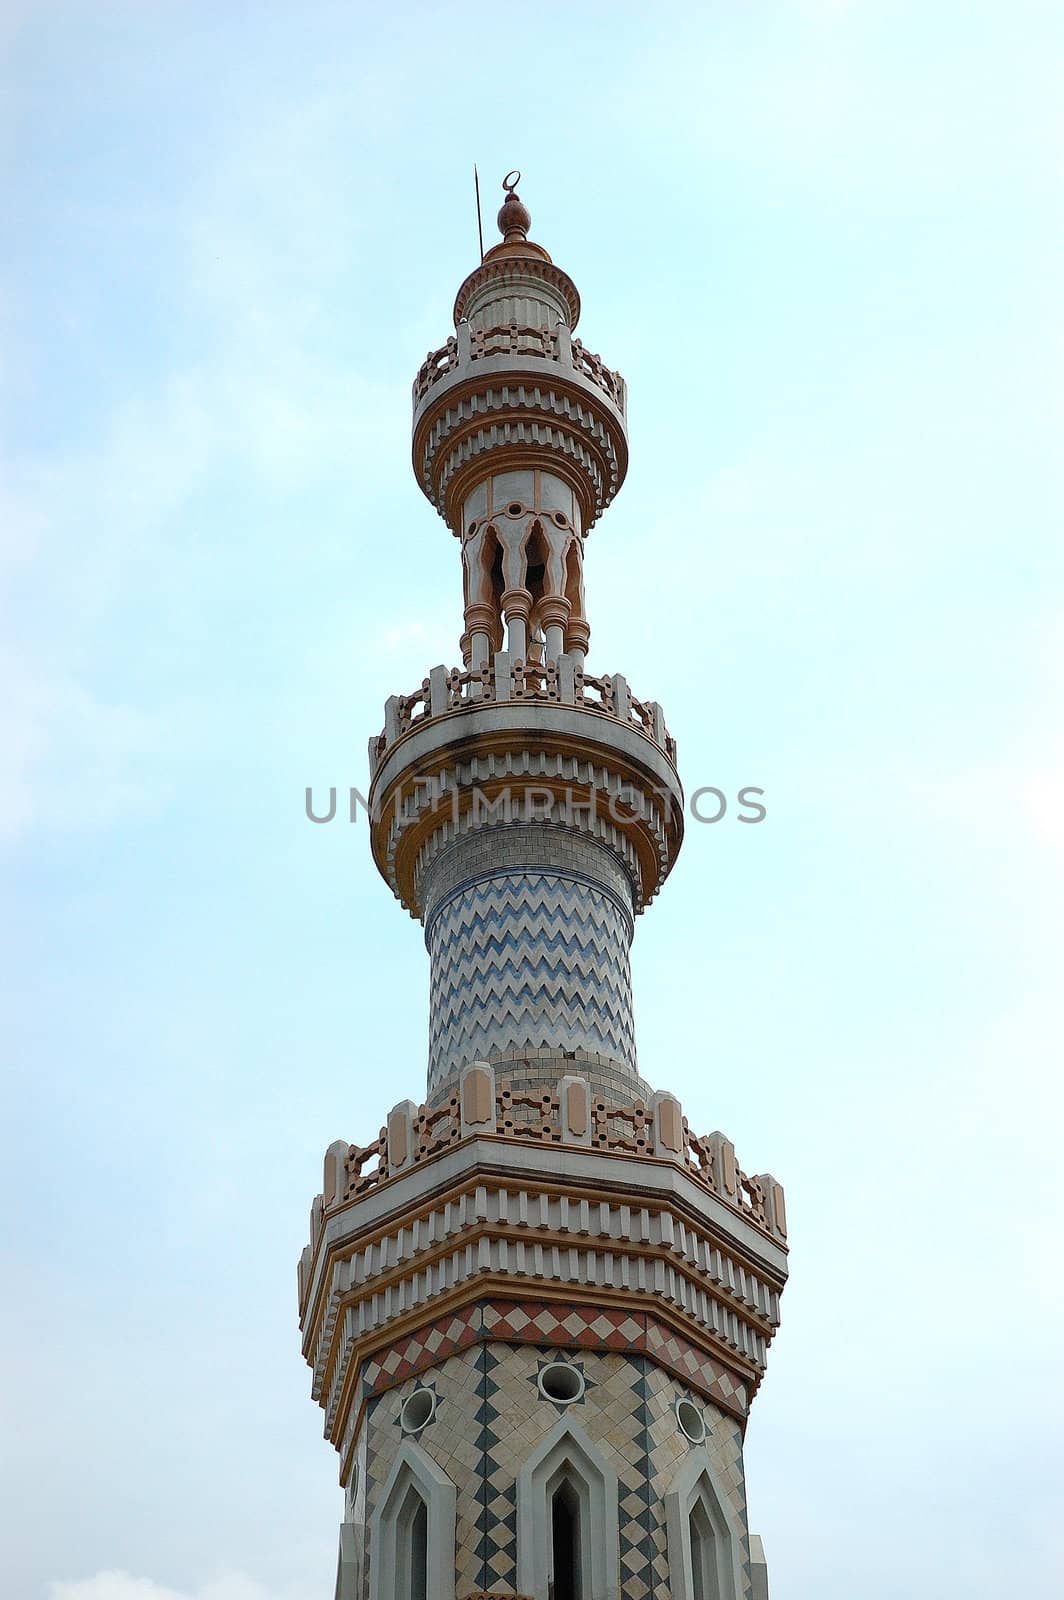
<point x="514" y="509"/>
<point x="561" y="1382"/>
<point x="559" y="518"/>
<point x="691" y="1421"/>
<point x="417" y="1410"/>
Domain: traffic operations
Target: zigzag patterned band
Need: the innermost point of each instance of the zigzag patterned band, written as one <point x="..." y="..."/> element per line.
<point x="527" y="960"/>
<point x="494" y="874"/>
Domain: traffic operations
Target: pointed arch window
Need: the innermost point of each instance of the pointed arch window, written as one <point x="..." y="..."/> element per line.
<point x="567" y="1534"/>
<point x="412" y="1548"/>
<point x="704" y="1585"/>
<point x="705" y="1536"/>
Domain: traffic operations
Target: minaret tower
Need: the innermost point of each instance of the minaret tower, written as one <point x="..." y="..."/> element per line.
<point x="537" y="1306"/>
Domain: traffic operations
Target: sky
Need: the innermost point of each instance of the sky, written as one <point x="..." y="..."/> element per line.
<point x="822" y="241"/>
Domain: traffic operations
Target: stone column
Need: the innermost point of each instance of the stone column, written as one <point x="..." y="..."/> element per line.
<point x="516" y="611"/>
<point x="553" y="615"/>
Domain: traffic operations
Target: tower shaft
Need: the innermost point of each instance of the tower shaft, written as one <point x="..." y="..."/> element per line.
<point x="537" y="1307"/>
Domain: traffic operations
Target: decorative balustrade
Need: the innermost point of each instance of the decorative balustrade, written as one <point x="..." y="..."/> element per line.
<point x="540" y="1118"/>
<point x="512" y="339"/>
<point x="448" y="690"/>
<point x="359" y="1175"/>
<point x="491" y="1109"/>
<point x="626" y="1128"/>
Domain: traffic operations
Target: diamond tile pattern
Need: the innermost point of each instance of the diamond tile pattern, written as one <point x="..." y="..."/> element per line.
<point x="490" y="1417"/>
<point x="667" y="1451"/>
<point x="562" y="1326"/>
<point x="516" y="1419"/>
<point x="451" y="1438"/>
<point x="687" y="1361"/>
<point x="497" y="1525"/>
<point x="484" y="1361"/>
<point x="430" y="1344"/>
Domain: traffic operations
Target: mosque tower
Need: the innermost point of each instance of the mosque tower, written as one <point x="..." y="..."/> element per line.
<point x="537" y="1306"/>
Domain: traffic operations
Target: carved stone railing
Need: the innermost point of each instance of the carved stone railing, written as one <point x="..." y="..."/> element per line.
<point x="568" y="1116"/>
<point x="448" y="689"/>
<point x="546" y="344"/>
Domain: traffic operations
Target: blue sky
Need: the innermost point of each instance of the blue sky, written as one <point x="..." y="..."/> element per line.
<point x="823" y="243"/>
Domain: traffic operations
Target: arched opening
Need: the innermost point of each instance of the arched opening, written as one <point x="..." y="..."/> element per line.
<point x="567" y="1534"/>
<point x="482" y="566"/>
<point x="705" y="1535"/>
<point x="412" y="1533"/>
<point x="535" y="562"/>
<point x="493" y="566"/>
<point x="566" y="1560"/>
<point x="704" y="1585"/>
<point x="574" y="578"/>
<point x="412" y="1567"/>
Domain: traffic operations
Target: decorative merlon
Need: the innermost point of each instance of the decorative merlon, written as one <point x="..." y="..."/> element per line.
<point x="468" y="346"/>
<point x="450" y="690"/>
<point x="487" y="1108"/>
<point x="587" y="1227"/>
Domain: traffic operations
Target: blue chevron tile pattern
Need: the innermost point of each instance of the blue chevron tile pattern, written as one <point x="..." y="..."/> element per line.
<point x="525" y="960"/>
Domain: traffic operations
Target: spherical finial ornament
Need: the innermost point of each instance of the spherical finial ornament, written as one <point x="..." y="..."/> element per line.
<point x="514" y="218"/>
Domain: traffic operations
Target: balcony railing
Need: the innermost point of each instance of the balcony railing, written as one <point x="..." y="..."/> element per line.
<point x="451" y="689"/>
<point x="547" y="344"/>
<point x="658" y="1130"/>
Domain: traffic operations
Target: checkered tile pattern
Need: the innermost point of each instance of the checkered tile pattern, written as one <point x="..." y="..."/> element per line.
<point x="568" y="1327"/>
<point x="671" y="1350"/>
<point x="449" y="1439"/>
<point x="517" y="1420"/>
<point x="563" y="1325"/>
<point x="430" y="1344"/>
<point x="497" y="1524"/>
<point x="626" y="1400"/>
<point x="667" y="1450"/>
<point x="490" y="1418"/>
<point x="376" y="1459"/>
<point x="617" y="1330"/>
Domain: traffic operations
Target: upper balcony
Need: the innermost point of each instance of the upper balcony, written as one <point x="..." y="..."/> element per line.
<point x="514" y="394"/>
<point x="519" y="735"/>
<point x="545" y="344"/>
<point x="450" y="691"/>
